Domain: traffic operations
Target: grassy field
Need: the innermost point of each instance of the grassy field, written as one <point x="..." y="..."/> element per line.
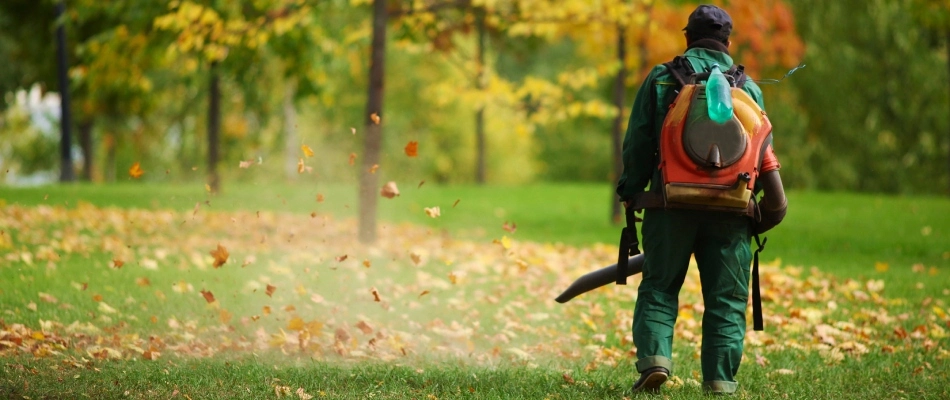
<point x="112" y="292"/>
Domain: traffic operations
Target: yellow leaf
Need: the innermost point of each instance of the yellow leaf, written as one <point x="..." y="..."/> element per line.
<point x="433" y="212"/>
<point x="306" y="150"/>
<point x="295" y="324"/>
<point x="136" y="171"/>
<point x="881" y="266"/>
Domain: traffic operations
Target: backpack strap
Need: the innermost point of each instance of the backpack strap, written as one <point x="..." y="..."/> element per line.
<point x="756" y="292"/>
<point x="680" y="69"/>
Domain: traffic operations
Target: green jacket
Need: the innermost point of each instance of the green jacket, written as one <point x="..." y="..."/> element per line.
<point x="641" y="143"/>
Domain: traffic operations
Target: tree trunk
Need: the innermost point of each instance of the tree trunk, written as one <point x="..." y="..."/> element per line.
<point x="290" y="130"/>
<point x="109" y="140"/>
<point x="480" y="114"/>
<point x="948" y="133"/>
<point x="66" y="173"/>
<point x="214" y="128"/>
<point x="85" y="143"/>
<point x="373" y="141"/>
<point x="616" y="212"/>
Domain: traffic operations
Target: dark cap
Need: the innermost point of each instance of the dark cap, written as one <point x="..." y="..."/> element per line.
<point x="709" y="21"/>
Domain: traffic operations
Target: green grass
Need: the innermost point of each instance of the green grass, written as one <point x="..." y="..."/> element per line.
<point x="842" y="235"/>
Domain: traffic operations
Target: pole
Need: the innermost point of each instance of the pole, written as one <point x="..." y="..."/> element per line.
<point x="65" y="122"/>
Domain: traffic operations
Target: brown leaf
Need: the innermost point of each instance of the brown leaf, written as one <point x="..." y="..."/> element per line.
<point x="568" y="379"/>
<point x="420" y="183"/>
<point x="375" y="295"/>
<point x="389" y="190"/>
<point x="209" y="297"/>
<point x="375" y="118"/>
<point x="97" y="297"/>
<point x="416" y="259"/>
<point x="363" y="326"/>
<point x="270" y="290"/>
<point x="424" y="292"/>
<point x="341" y="258"/>
<point x="220" y="255"/>
<point x="456" y="203"/>
<point x="143" y="281"/>
<point x="135" y="171"/>
<point x="117" y="263"/>
<point x="341" y="335"/>
<point x="319" y="198"/>
<point x="367" y="264"/>
<point x="510" y="228"/>
<point x="266" y="310"/>
<point x="412" y="149"/>
<point x="352" y="158"/>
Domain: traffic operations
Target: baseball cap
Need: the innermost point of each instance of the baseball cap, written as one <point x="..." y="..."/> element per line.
<point x="709" y="21"/>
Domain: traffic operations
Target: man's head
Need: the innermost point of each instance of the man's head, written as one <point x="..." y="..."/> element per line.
<point x="708" y="22"/>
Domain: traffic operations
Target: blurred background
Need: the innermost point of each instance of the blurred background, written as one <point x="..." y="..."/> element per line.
<point x="492" y="91"/>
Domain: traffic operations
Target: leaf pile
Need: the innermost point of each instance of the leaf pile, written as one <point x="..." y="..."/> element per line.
<point x="104" y="283"/>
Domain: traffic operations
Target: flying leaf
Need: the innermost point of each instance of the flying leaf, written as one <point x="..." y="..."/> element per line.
<point x="453" y="278"/>
<point x="306" y="150"/>
<point x="266" y="309"/>
<point x="416" y="259"/>
<point x="881" y="266"/>
<point x="319" y="198"/>
<point x="341" y="335"/>
<point x="245" y="164"/>
<point x="97" y="297"/>
<point x="117" y="263"/>
<point x="412" y="149"/>
<point x="363" y="326"/>
<point x="136" y="171"/>
<point x="295" y="324"/>
<point x="270" y="290"/>
<point x="510" y="228"/>
<point x="143" y="282"/>
<point x="433" y="212"/>
<point x="341" y="258"/>
<point x="420" y="183"/>
<point x="367" y="264"/>
<point x="300" y="166"/>
<point x="352" y="158"/>
<point x="375" y="117"/>
<point x="373" y="169"/>
<point x="209" y="297"/>
<point x="456" y="203"/>
<point x="375" y="295"/>
<point x="424" y="292"/>
<point x="353" y="130"/>
<point x="220" y="255"/>
<point x="389" y="190"/>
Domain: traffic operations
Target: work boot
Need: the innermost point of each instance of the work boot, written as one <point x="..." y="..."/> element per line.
<point x="651" y="380"/>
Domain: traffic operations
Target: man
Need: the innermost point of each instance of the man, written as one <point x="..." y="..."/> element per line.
<point x="720" y="240"/>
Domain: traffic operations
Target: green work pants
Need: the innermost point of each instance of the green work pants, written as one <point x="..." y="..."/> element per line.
<point x="720" y="242"/>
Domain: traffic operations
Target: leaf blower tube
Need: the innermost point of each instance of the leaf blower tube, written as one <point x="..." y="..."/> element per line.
<point x="600" y="277"/>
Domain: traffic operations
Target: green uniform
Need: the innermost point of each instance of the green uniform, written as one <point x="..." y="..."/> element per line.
<point x="719" y="240"/>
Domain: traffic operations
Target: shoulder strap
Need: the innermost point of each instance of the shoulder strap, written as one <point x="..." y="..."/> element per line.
<point x="680" y="69"/>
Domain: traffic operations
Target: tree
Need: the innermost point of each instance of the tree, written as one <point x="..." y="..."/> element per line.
<point x="374" y="113"/>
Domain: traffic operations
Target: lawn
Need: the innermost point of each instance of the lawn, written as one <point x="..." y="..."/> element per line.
<point x="113" y="291"/>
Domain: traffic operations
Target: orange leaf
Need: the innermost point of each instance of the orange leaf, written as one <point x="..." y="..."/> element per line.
<point x="375" y="295"/>
<point x="143" y="281"/>
<point x="366" y="263"/>
<point x="510" y="228"/>
<point x="220" y="256"/>
<point x="373" y="169"/>
<point x="352" y="158"/>
<point x="306" y="150"/>
<point x="412" y="149"/>
<point x="319" y="198"/>
<point x="266" y="310"/>
<point x="97" y="297"/>
<point x="208" y="296"/>
<point x="270" y="290"/>
<point x="300" y="166"/>
<point x="375" y="118"/>
<point x="117" y="263"/>
<point x="389" y="190"/>
<point x="136" y="171"/>
<point x="341" y="258"/>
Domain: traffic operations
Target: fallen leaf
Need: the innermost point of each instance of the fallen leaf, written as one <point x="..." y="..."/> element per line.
<point x="375" y="117"/>
<point x="433" y="212"/>
<point x="47" y="297"/>
<point x="416" y="259"/>
<point x="389" y="190"/>
<point x="220" y="255"/>
<point x="97" y="297"/>
<point x="375" y="295"/>
<point x="143" y="281"/>
<point x="881" y="266"/>
<point x="136" y="171"/>
<point x="270" y="290"/>
<point x="306" y="150"/>
<point x="568" y="379"/>
<point x="341" y="335"/>
<point x="412" y="149"/>
<point x="207" y="295"/>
